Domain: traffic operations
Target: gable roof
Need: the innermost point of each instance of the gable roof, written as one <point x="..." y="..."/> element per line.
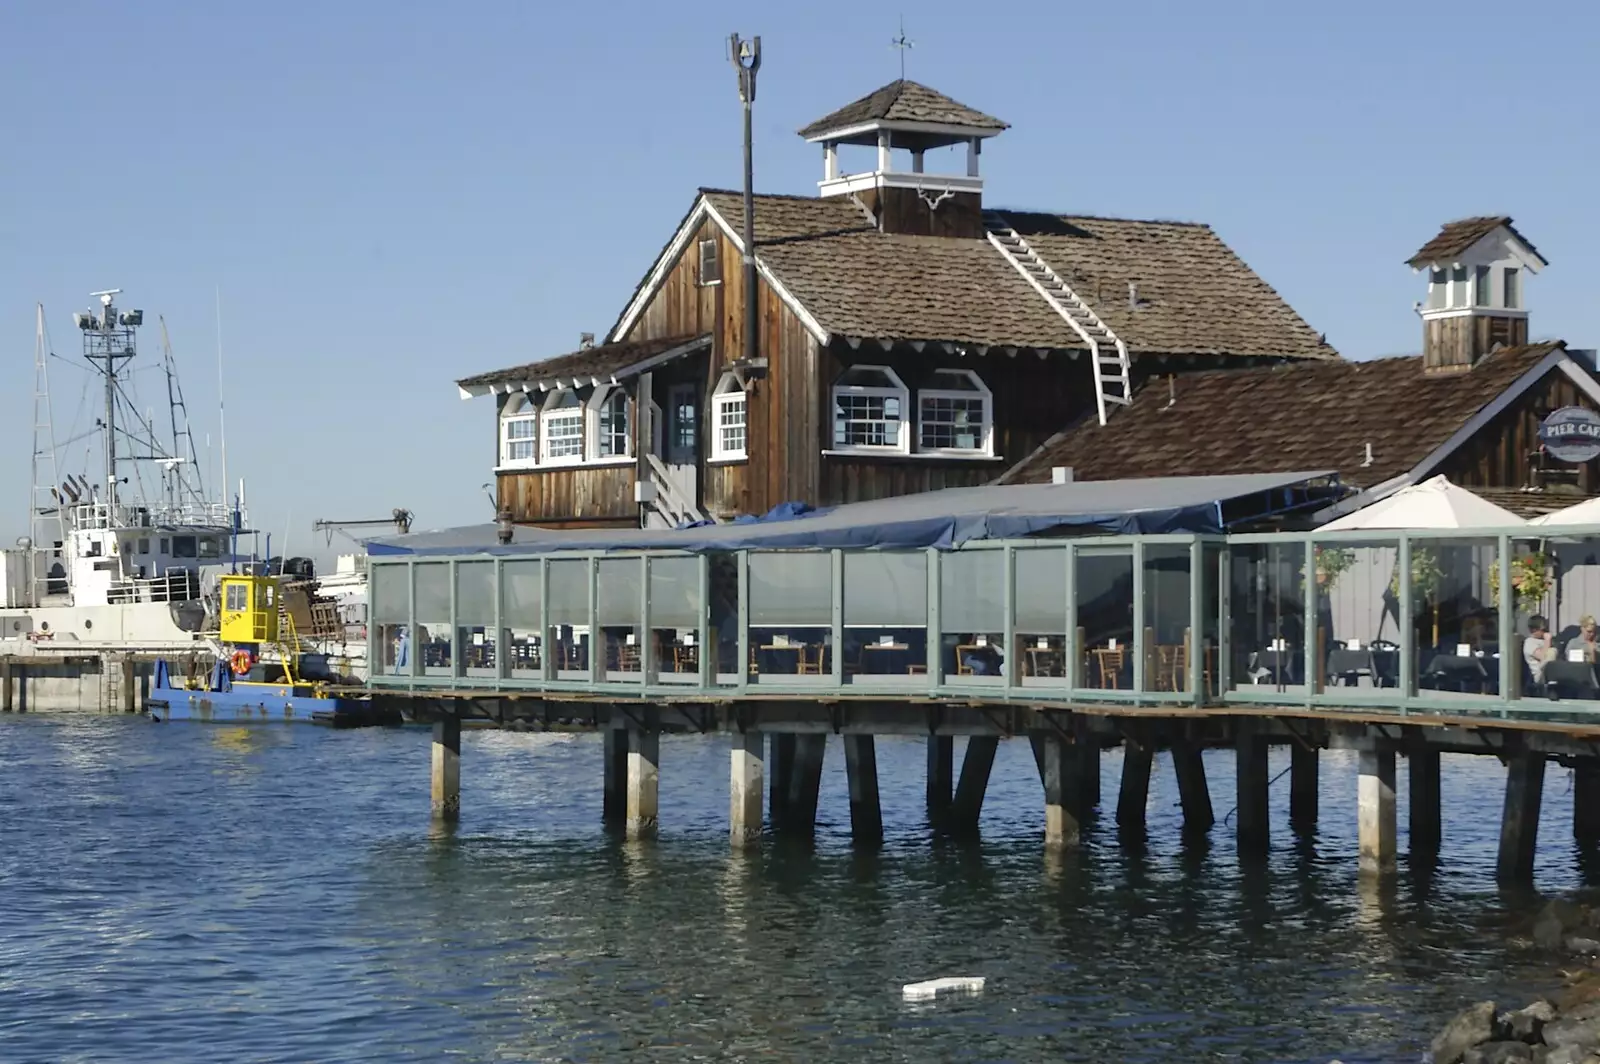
<point x="603" y="362"/>
<point x="1306" y="415"/>
<point x="903" y="101"/>
<point x="1196" y="296"/>
<point x="1456" y="237"/>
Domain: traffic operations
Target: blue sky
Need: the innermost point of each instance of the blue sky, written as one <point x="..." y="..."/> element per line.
<point x="391" y="195"/>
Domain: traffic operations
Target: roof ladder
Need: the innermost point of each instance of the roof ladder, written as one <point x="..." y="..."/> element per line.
<point x="1108" y="355"/>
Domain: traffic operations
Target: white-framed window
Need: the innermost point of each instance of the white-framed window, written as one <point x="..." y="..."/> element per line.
<point x="729" y="425"/>
<point x="710" y="263"/>
<point x="1512" y="276"/>
<point x="869" y="411"/>
<point x="955" y="415"/>
<point x="609" y="423"/>
<point x="1438" y="289"/>
<point x="561" y="429"/>
<point x="519" y="430"/>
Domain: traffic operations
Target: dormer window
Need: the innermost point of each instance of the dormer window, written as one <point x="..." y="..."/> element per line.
<point x="1482" y="280"/>
<point x="519" y="422"/>
<point x="1438" y="290"/>
<point x="955" y="416"/>
<point x="1513" y="293"/>
<point x="869" y="404"/>
<point x="710" y="263"/>
<point x="729" y="421"/>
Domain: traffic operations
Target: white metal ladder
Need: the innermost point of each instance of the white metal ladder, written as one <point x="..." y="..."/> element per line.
<point x="1108" y="355"/>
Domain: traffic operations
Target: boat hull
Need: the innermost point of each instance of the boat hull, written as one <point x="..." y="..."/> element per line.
<point x="230" y="701"/>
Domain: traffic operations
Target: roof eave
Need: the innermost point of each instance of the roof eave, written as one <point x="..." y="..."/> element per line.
<point x="473" y="387"/>
<point x="816" y="134"/>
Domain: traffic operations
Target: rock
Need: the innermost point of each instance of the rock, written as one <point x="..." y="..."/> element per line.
<point x="1555" y="921"/>
<point x="1471" y="1026"/>
<point x="1580" y="1030"/>
<point x="1499" y="1053"/>
<point x="1526" y="1024"/>
<point x="1584" y="946"/>
<point x="1561" y="1055"/>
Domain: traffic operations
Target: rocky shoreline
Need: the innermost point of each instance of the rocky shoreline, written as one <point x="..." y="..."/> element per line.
<point x="1563" y="1028"/>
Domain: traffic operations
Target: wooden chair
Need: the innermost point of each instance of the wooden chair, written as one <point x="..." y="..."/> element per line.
<point x="1110" y="662"/>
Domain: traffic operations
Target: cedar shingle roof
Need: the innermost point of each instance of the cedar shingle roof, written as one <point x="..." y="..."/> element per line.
<point x="601" y="361"/>
<point x="904" y="101"/>
<point x="1196" y="296"/>
<point x="1455" y="237"/>
<point x="1305" y="415"/>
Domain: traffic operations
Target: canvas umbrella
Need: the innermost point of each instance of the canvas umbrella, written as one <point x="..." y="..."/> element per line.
<point x="1584" y="513"/>
<point x="1435" y="503"/>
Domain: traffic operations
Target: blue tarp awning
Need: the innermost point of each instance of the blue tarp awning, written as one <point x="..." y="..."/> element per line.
<point x="942" y="519"/>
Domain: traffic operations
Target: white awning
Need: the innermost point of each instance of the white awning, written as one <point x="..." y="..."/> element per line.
<point x="1435" y="503"/>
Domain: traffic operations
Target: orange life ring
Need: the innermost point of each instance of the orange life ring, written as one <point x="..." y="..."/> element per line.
<point x="241" y="662"/>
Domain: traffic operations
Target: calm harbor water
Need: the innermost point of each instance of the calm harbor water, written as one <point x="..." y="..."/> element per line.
<point x="183" y="892"/>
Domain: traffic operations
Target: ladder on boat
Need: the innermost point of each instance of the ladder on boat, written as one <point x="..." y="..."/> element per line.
<point x="1108" y="355"/>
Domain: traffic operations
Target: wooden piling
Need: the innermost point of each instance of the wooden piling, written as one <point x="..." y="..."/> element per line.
<point x="5" y="687"/>
<point x="1134" y="794"/>
<point x="1251" y="777"/>
<point x="1303" y="766"/>
<point x="644" y="774"/>
<point x="130" y="688"/>
<point x="974" y="782"/>
<point x="805" y="782"/>
<point x="1061" y="823"/>
<point x="1087" y="768"/>
<point x="1193" y="791"/>
<point x="780" y="771"/>
<point x="941" y="776"/>
<point x="1422" y="772"/>
<point x="446" y="790"/>
<point x="1586" y="801"/>
<point x="861" y="769"/>
<point x="1519" y="821"/>
<point x="1377" y="825"/>
<point x="614" y="795"/>
<point x="744" y="789"/>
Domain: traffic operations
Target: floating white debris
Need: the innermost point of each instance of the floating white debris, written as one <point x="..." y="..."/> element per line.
<point x="971" y="984"/>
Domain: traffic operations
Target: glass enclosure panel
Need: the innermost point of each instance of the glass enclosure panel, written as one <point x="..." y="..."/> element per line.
<point x="791" y="616"/>
<point x="390" y="592"/>
<point x="1358" y="616"/>
<point x="1103" y="593"/>
<point x="1039" y="601"/>
<point x="433" y="617"/>
<point x="972" y="616"/>
<point x="1168" y="634"/>
<point x="726" y="669"/>
<point x="618" y="590"/>
<point x="1456" y="632"/>
<point x="885" y="616"/>
<point x="475" y="619"/>
<point x="519" y="604"/>
<point x="1212" y="576"/>
<point x="569" y="617"/>
<point x="675" y="618"/>
<point x="1556" y="588"/>
<point x="1267" y="616"/>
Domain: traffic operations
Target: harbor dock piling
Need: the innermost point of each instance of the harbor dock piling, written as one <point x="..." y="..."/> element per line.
<point x="744" y="789"/>
<point x="1519" y="822"/>
<point x="861" y="768"/>
<point x="644" y="774"/>
<point x="1586" y="802"/>
<point x="941" y="777"/>
<point x="446" y="791"/>
<point x="615" y="794"/>
<point x="1377" y="823"/>
<point x="1134" y="793"/>
<point x="1303" y="771"/>
<point x="1061" y="815"/>
<point x="976" y="764"/>
<point x="1250" y="814"/>
<point x="1193" y="791"/>
<point x="6" y="703"/>
<point x="805" y="784"/>
<point x="779" y="772"/>
<point x="1422" y="771"/>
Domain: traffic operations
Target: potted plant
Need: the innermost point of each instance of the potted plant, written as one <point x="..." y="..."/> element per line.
<point x="1530" y="580"/>
<point x="1329" y="563"/>
<point x="1427" y="577"/>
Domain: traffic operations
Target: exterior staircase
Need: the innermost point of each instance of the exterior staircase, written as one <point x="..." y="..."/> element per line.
<point x="1108" y="355"/>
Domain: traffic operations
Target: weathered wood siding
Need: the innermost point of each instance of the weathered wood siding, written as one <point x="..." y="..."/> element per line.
<point x="1459" y="342"/>
<point x="1505" y="452"/>
<point x="782" y="408"/>
<point x="576" y="496"/>
<point x="904" y="211"/>
<point x="1034" y="399"/>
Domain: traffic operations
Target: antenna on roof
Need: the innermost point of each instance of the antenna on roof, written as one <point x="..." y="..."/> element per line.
<point x="904" y="44"/>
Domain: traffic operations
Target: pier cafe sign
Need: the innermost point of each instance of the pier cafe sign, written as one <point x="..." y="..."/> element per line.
<point x="1571" y="434"/>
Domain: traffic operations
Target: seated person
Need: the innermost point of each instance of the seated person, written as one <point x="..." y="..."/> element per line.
<point x="1585" y="640"/>
<point x="1536" y="649"/>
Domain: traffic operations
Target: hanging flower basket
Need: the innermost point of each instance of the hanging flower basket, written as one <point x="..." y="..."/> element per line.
<point x="1530" y="580"/>
<point x="1330" y="562"/>
<point x="1427" y="575"/>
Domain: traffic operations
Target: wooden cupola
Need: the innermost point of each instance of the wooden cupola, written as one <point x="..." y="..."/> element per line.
<point x="901" y="122"/>
<point x="1475" y="302"/>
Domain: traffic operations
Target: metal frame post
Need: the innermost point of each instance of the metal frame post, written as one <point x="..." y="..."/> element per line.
<point x="1139" y="649"/>
<point x="709" y="647"/>
<point x="934" y="630"/>
<point x="1510" y="655"/>
<point x="838" y="617"/>
<point x="597" y="650"/>
<point x="500" y="640"/>
<point x="647" y="635"/>
<point x="1013" y="653"/>
<point x="1407" y="625"/>
<point x="1197" y="617"/>
<point x="743" y="664"/>
<point x="546" y="668"/>
<point x="1072" y="652"/>
<point x="1312" y="613"/>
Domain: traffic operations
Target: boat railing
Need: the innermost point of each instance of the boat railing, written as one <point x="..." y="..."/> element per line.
<point x="107" y="516"/>
<point x="175" y="585"/>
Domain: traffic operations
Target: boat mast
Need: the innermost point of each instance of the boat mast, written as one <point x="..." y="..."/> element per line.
<point x="46" y="496"/>
<point x="108" y="342"/>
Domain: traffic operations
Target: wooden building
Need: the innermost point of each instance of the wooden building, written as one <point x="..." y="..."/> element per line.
<point x="1471" y="406"/>
<point x="911" y="337"/>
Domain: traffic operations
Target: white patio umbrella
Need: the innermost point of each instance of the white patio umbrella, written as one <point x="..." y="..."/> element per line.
<point x="1584" y="513"/>
<point x="1435" y="503"/>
